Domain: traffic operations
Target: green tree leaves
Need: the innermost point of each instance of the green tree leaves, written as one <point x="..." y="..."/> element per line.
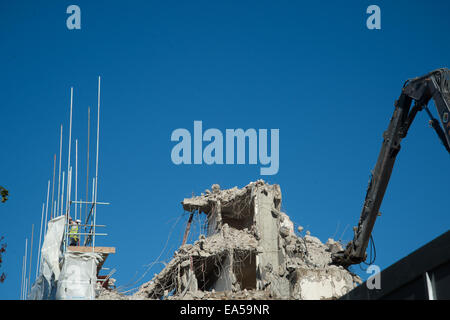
<point x="3" y="194"/>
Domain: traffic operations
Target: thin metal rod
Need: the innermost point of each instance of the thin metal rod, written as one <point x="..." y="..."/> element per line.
<point x="96" y="158"/>
<point x="67" y="213"/>
<point x="23" y="274"/>
<point x="93" y="204"/>
<point x="70" y="149"/>
<point x="87" y="202"/>
<point x="40" y="238"/>
<point x="53" y="186"/>
<point x="46" y="209"/>
<point x="21" y="282"/>
<point x="86" y="233"/>
<point x="69" y="191"/>
<point x="81" y="205"/>
<point x="62" y="195"/>
<point x="45" y="225"/>
<point x="87" y="162"/>
<point x="21" y="279"/>
<point x="95" y="216"/>
<point x="76" y="177"/>
<point x="59" y="171"/>
<point x="31" y="256"/>
<point x="93" y="190"/>
<point x="69" y="178"/>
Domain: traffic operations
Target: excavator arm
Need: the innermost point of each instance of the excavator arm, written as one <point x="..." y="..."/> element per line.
<point x="436" y="86"/>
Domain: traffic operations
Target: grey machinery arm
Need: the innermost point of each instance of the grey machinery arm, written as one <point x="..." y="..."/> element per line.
<point x="435" y="85"/>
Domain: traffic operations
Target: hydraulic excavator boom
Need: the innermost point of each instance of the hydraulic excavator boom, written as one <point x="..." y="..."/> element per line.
<point x="435" y="85"/>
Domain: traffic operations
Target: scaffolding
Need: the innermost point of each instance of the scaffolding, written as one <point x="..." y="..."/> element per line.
<point x="62" y="207"/>
<point x="86" y="231"/>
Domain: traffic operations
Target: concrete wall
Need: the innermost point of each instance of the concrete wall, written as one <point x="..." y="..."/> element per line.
<point x="270" y="259"/>
<point x="330" y="283"/>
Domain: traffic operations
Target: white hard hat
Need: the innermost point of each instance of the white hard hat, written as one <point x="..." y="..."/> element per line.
<point x="78" y="221"/>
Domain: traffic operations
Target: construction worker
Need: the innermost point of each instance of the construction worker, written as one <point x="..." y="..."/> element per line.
<point x="73" y="232"/>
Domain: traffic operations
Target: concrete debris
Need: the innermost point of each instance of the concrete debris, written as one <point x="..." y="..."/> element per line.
<point x="250" y="251"/>
<point x="109" y="292"/>
<point x="105" y="294"/>
<point x="226" y="295"/>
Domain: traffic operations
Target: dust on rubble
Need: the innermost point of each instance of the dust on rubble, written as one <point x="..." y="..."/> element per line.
<point x="251" y="251"/>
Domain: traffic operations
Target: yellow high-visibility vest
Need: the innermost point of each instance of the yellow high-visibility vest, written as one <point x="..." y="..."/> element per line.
<point x="73" y="233"/>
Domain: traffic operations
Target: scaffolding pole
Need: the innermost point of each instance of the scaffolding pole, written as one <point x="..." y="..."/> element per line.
<point x="40" y="238"/>
<point x="31" y="255"/>
<point x="62" y="195"/>
<point x="88" y="202"/>
<point x="59" y="172"/>
<point x="21" y="278"/>
<point x="70" y="149"/>
<point x="46" y="209"/>
<point x="87" y="161"/>
<point x="76" y="177"/>
<point x="96" y="160"/>
<point x="53" y="186"/>
<point x="67" y="214"/>
<point x="25" y="270"/>
<point x="69" y="191"/>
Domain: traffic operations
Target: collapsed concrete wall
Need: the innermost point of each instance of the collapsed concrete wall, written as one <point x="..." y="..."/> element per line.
<point x="250" y="250"/>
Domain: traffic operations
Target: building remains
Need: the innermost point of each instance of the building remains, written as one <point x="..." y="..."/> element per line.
<point x="250" y="251"/>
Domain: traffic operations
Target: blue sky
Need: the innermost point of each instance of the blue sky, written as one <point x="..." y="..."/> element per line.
<point x="312" y="70"/>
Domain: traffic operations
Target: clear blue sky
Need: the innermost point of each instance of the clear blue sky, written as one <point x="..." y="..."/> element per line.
<point x="313" y="70"/>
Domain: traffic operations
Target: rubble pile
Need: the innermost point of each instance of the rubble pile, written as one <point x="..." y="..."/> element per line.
<point x="250" y="251"/>
<point x="193" y="261"/>
<point x="110" y="294"/>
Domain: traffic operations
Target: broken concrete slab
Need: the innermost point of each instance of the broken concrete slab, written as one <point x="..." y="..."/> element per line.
<point x="251" y="250"/>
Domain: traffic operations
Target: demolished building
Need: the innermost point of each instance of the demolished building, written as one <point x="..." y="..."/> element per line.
<point x="250" y="251"/>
